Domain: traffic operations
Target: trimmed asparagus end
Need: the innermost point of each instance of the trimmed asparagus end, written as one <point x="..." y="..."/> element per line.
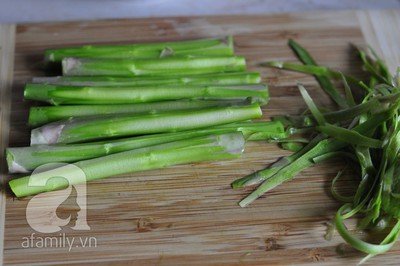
<point x="46" y="135"/>
<point x="38" y="92"/>
<point x="38" y="116"/>
<point x="233" y="143"/>
<point x="47" y="179"/>
<point x="69" y="64"/>
<point x="13" y="166"/>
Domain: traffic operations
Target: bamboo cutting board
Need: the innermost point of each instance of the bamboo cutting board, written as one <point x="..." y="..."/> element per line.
<point x="188" y="214"/>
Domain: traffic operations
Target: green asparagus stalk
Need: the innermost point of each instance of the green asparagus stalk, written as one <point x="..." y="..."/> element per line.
<point x="215" y="147"/>
<point x="185" y="65"/>
<point x="40" y="115"/>
<point x="112" y="126"/>
<point x="25" y="159"/>
<point x="214" y="46"/>
<point x="233" y="78"/>
<point x="59" y="94"/>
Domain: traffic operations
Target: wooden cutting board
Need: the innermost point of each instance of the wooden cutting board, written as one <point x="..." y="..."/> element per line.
<point x="188" y="214"/>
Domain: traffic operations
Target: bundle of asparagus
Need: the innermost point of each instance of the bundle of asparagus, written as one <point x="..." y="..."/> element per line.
<point x="146" y="106"/>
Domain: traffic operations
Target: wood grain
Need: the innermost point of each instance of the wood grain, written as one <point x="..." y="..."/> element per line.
<point x="188" y="214"/>
<point x="380" y="32"/>
<point x="7" y="45"/>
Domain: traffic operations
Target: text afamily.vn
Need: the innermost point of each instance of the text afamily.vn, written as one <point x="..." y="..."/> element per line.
<point x="60" y="241"/>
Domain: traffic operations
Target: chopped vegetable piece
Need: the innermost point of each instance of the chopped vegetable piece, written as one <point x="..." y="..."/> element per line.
<point x="214" y="147"/>
<point x="167" y="66"/>
<point x="365" y="129"/>
<point x="25" y="159"/>
<point x="214" y="46"/>
<point x="40" y="115"/>
<point x="88" y="129"/>
<point x="323" y="80"/>
<point x="233" y="78"/>
<point x="60" y="94"/>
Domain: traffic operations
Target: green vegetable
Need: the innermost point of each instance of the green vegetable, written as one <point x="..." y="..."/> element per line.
<point x="365" y="129"/>
<point x="305" y="158"/>
<point x="233" y="78"/>
<point x="166" y="97"/>
<point x="215" y="147"/>
<point x="40" y="115"/>
<point x="287" y="172"/>
<point x="312" y="69"/>
<point x="25" y="159"/>
<point x="215" y="46"/>
<point x="292" y="146"/>
<point x="372" y="249"/>
<point x="88" y="129"/>
<point x="60" y="94"/>
<point x="167" y="66"/>
<point x="323" y="80"/>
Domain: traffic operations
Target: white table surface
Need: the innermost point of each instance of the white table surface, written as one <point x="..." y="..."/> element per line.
<point x="12" y="11"/>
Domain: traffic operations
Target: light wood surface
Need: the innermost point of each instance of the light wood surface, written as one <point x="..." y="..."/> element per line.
<point x="380" y="32"/>
<point x="7" y="44"/>
<point x="188" y="214"/>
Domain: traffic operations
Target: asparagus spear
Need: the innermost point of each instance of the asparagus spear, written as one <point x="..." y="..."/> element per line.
<point x="233" y="78"/>
<point x="215" y="147"/>
<point x="186" y="65"/>
<point x="40" y="115"/>
<point x="60" y="94"/>
<point x="25" y="159"/>
<point x="87" y="129"/>
<point x="214" y="46"/>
